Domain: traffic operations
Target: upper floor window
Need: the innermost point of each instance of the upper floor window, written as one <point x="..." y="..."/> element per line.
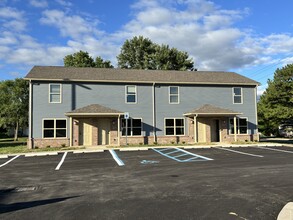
<point x="241" y="126"/>
<point x="134" y="127"/>
<point x="173" y="94"/>
<point x="130" y="94"/>
<point x="54" y="93"/>
<point x="237" y="95"/>
<point x="174" y="126"/>
<point x="54" y="128"/>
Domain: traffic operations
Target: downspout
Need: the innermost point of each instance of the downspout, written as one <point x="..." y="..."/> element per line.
<point x="195" y="127"/>
<point x="30" y="126"/>
<point x="256" y="117"/>
<point x="154" y="113"/>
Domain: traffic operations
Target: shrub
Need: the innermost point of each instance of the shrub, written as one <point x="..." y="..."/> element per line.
<point x="48" y="146"/>
<point x="183" y="142"/>
<point x="140" y="143"/>
<point x="155" y="143"/>
<point x="63" y="145"/>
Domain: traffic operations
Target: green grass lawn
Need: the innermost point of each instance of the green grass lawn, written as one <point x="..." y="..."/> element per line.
<point x="9" y="146"/>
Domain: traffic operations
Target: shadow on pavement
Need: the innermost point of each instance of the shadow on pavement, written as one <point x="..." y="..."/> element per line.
<point x="4" y="208"/>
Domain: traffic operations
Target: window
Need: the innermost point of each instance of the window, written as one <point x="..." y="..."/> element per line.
<point x="241" y="126"/>
<point x="130" y="94"/>
<point x="54" y="128"/>
<point x="174" y="126"/>
<point x="54" y="93"/>
<point x="173" y="94"/>
<point x="237" y="95"/>
<point x="133" y="127"/>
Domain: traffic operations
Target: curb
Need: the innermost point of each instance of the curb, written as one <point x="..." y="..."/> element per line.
<point x="287" y="212"/>
<point x="88" y="151"/>
<point x="51" y="153"/>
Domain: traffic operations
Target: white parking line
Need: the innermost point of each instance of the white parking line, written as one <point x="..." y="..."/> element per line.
<point x="7" y="162"/>
<point x="116" y="158"/>
<point x="61" y="161"/>
<point x="284" y="151"/>
<point x="239" y="152"/>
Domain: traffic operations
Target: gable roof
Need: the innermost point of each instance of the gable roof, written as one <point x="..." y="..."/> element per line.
<point x="94" y="109"/>
<point x="208" y="109"/>
<point x="80" y="74"/>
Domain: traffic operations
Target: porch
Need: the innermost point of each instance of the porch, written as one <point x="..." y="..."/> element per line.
<point x="94" y="125"/>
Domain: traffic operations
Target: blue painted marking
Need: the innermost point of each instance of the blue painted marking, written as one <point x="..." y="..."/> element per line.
<point x="181" y="155"/>
<point x="149" y="162"/>
<point x="172" y="152"/>
<point x="192" y="157"/>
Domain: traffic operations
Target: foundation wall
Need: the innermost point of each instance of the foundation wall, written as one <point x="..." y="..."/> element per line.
<point x="43" y="143"/>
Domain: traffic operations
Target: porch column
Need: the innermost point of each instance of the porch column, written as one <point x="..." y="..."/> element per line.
<point x="195" y="128"/>
<point x="118" y="134"/>
<point x="70" y="131"/>
<point x="235" y="129"/>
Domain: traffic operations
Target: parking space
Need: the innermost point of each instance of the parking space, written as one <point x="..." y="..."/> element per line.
<point x="233" y="184"/>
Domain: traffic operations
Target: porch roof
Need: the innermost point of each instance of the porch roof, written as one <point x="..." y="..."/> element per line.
<point x="94" y="110"/>
<point x="211" y="110"/>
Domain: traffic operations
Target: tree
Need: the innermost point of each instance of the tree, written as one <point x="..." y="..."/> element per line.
<point x="79" y="59"/>
<point x="83" y="59"/>
<point x="100" y="63"/>
<point x="142" y="53"/>
<point x="276" y="104"/>
<point x="14" y="102"/>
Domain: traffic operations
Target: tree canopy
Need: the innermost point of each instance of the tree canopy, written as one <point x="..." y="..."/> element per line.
<point x="142" y="53"/>
<point x="14" y="102"/>
<point x="83" y="59"/>
<point x="276" y="104"/>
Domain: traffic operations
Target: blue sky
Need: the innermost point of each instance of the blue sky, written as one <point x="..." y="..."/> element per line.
<point x="251" y="37"/>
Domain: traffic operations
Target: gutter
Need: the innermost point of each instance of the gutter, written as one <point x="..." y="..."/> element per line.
<point x="148" y="82"/>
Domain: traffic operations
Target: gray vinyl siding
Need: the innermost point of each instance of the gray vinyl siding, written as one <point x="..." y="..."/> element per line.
<point x="194" y="96"/>
<point x="112" y="96"/>
<point x="77" y="95"/>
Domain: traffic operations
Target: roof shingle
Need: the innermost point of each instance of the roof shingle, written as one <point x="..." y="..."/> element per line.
<point x="60" y="73"/>
<point x="211" y="109"/>
<point x="94" y="109"/>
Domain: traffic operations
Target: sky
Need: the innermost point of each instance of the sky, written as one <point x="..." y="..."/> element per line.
<point x="250" y="37"/>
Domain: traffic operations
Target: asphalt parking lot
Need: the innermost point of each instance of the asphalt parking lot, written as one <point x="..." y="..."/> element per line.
<point x="216" y="183"/>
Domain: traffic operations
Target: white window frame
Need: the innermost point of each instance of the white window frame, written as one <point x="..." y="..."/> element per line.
<point x="174" y="95"/>
<point x="237" y="125"/>
<point x="131" y="127"/>
<point x="233" y="95"/>
<point x="54" y="119"/>
<point x="60" y="85"/>
<point x="126" y="94"/>
<point x="174" y="126"/>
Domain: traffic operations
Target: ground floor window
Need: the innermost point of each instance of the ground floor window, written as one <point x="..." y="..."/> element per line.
<point x="241" y="125"/>
<point x="54" y="128"/>
<point x="174" y="126"/>
<point x="134" y="127"/>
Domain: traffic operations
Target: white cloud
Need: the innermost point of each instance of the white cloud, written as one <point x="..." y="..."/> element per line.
<point x="261" y="89"/>
<point x="200" y="27"/>
<point x="7" y="38"/>
<point x="39" y="3"/>
<point x="73" y="26"/>
<point x="12" y="19"/>
<point x="64" y="3"/>
<point x="206" y="31"/>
